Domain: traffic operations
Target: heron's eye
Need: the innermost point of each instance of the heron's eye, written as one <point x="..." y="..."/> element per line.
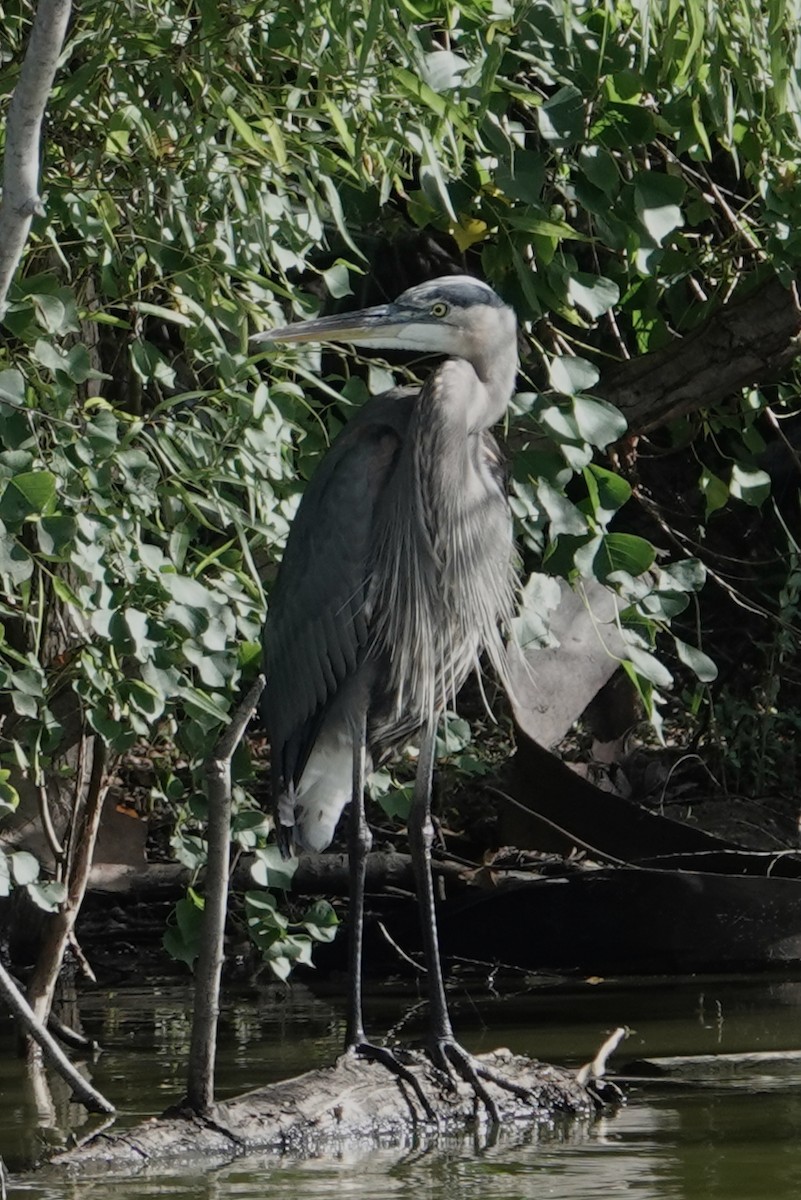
<point x="439" y="309"/>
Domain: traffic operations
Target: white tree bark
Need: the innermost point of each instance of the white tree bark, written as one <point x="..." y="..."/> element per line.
<point x="20" y="200"/>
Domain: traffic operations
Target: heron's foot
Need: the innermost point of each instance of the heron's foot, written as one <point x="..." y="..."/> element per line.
<point x="393" y="1060"/>
<point x="605" y="1093"/>
<point x="457" y="1063"/>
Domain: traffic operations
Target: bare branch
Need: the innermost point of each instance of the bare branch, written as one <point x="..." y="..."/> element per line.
<point x="208" y="971"/>
<point x="23" y="134"/>
<point x="87" y="812"/>
<point x="597" y="1068"/>
<point x="19" y="1006"/>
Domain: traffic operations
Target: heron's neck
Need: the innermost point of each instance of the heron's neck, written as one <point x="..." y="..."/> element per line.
<point x="497" y="372"/>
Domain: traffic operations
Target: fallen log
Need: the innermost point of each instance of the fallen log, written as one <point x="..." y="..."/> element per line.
<point x="354" y="1100"/>
<point x="317" y="874"/>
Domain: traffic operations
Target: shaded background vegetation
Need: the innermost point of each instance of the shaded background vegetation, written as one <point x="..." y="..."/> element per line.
<point x="617" y="172"/>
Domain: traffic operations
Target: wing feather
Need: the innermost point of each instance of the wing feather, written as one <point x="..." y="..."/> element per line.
<point x="318" y="624"/>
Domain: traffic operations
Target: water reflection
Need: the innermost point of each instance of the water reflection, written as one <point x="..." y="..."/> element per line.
<point x="654" y="1151"/>
<point x="723" y="1130"/>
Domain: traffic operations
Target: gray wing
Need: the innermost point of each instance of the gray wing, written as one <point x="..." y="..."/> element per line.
<point x="317" y="625"/>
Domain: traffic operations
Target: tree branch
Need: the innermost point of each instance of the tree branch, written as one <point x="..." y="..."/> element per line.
<point x="19" y="1006"/>
<point x="208" y="971"/>
<point x="87" y="811"/>
<point x="23" y="134"/>
<point x="743" y="343"/>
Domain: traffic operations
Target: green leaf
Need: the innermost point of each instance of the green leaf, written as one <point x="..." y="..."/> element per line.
<point x="560" y="423"/>
<point x="15" y="562"/>
<point x="443" y="70"/>
<point x="245" y="131"/>
<point x="48" y="356"/>
<point x="650" y="667"/>
<point x="78" y="365"/>
<point x="615" y="552"/>
<point x="419" y="90"/>
<point x="273" y="131"/>
<point x="249" y="822"/>
<point x="182" y="939"/>
<point x="593" y="293"/>
<point x="539" y="597"/>
<point x="27" y="495"/>
<point x="271" y="870"/>
<point x="687" y="575"/>
<point x="397" y="802"/>
<point x="563" y="515"/>
<point x="599" y="422"/>
<point x="50" y="312"/>
<point x="572" y="375"/>
<point x="9" y="796"/>
<point x="338" y="121"/>
<point x="65" y="593"/>
<point x="262" y="904"/>
<point x="715" y="491"/>
<point x="698" y="662"/>
<point x="453" y="734"/>
<point x="47" y="896"/>
<point x="189" y="849"/>
<point x="544" y="227"/>
<point x="664" y="605"/>
<point x="335" y="205"/>
<point x="209" y="706"/>
<point x="749" y="484"/>
<point x="56" y="535"/>
<point x="657" y="200"/>
<point x="24" y="867"/>
<point x="103" y="432"/>
<point x="432" y="177"/>
<point x="171" y="315"/>
<point x="600" y="168"/>
<point x="320" y="921"/>
<point x="337" y="280"/>
<point x="188" y="592"/>
<point x="12" y="388"/>
<point x="561" y="117"/>
<point x="610" y="491"/>
<point x="523" y="177"/>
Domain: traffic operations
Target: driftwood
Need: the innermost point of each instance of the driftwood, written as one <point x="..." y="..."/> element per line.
<point x="317" y="874"/>
<point x="352" y="1101"/>
<point x="552" y="686"/>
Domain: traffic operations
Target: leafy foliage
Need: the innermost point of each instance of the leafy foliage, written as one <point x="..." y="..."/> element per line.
<point x="616" y="171"/>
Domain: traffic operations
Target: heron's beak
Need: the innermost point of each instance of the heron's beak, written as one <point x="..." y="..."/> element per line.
<point x="371" y="326"/>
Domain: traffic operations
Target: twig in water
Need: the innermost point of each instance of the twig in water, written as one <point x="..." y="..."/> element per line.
<point x="591" y="1075"/>
<point x="401" y="953"/>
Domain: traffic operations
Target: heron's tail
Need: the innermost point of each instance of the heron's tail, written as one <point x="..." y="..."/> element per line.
<point x="285" y="823"/>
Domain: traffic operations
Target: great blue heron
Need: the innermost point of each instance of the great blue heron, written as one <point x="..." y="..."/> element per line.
<point x="397" y="574"/>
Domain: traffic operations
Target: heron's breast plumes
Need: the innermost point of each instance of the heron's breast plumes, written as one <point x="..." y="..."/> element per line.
<point x="443" y="579"/>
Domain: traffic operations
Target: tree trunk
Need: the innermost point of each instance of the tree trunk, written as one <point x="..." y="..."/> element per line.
<point x="750" y="341"/>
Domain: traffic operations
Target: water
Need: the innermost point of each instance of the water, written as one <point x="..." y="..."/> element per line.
<point x="717" y="1128"/>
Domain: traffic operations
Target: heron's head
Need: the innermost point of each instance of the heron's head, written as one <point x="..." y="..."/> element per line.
<point x="456" y="315"/>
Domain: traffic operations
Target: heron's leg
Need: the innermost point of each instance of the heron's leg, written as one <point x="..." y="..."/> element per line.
<point x="421" y="837"/>
<point x="446" y="1051"/>
<point x="360" y="841"/>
